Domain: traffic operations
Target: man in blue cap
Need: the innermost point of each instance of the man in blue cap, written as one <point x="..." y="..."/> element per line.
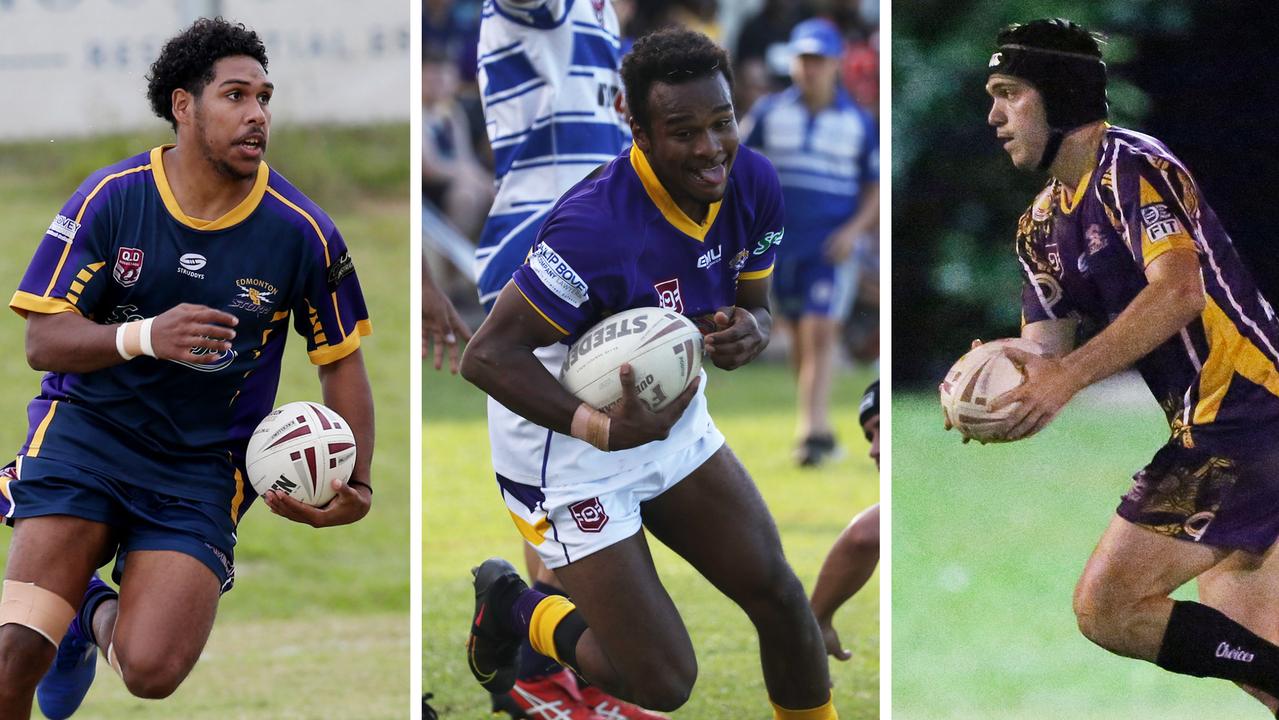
<point x="826" y="151"/>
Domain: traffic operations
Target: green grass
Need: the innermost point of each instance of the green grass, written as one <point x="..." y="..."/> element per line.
<point x="988" y="542"/>
<point x="317" y="625"/>
<point x="465" y="521"/>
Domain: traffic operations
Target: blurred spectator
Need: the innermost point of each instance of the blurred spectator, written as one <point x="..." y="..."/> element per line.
<point x="825" y="149"/>
<point x="860" y="69"/>
<point x="453" y="26"/>
<point x="452" y="178"/>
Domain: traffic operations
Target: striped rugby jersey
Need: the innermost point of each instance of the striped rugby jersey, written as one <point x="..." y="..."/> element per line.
<point x="824" y="160"/>
<point x="548" y="77"/>
<point x="1084" y="256"/>
<point x="122" y="249"/>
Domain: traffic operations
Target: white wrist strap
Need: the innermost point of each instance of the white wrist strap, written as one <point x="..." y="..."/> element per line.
<point x="134" y="338"/>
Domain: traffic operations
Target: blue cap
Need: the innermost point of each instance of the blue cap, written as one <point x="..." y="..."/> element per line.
<point x="817" y="36"/>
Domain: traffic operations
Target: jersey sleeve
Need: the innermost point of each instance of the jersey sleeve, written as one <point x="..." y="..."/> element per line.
<point x="769" y="225"/>
<point x="65" y="274"/>
<point x="1156" y="203"/>
<point x="1041" y="294"/>
<point x="330" y="311"/>
<point x="573" y="275"/>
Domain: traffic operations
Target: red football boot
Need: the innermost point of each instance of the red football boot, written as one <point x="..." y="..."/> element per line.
<point x="610" y="708"/>
<point x="554" y="697"/>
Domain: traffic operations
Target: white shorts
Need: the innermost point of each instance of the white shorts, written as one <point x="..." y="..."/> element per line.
<point x="567" y="522"/>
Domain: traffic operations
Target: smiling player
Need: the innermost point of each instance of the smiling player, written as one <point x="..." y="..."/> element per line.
<point x="159" y="303"/>
<point x="685" y="220"/>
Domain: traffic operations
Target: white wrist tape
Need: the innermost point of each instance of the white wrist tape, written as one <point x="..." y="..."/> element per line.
<point x="134" y="338"/>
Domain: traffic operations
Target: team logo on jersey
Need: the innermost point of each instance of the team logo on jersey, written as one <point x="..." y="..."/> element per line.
<point x="739" y="261"/>
<point x="1160" y="222"/>
<point x="668" y="295"/>
<point x="64" y="228"/>
<point x="709" y="258"/>
<point x="589" y="515"/>
<point x="256" y="296"/>
<point x="598" y="7"/>
<point x="558" y="276"/>
<point x="1048" y="288"/>
<point x="224" y="360"/>
<point x="1096" y="241"/>
<point x="189" y="263"/>
<point x="128" y="266"/>
<point x="340" y="268"/>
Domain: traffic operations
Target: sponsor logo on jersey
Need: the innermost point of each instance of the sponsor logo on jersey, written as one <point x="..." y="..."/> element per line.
<point x="1159" y="222"/>
<point x="1049" y="289"/>
<point x="1096" y="241"/>
<point x="558" y="276"/>
<point x="1225" y="651"/>
<point x="256" y="296"/>
<point x="709" y="258"/>
<point x="224" y="360"/>
<point x="770" y="239"/>
<point x="128" y="266"/>
<point x="589" y="515"/>
<point x="340" y="268"/>
<point x="189" y="263"/>
<point x="64" y="228"/>
<point x="668" y="295"/>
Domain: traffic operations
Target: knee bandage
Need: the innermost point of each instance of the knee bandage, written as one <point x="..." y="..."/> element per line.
<point x="32" y="606"/>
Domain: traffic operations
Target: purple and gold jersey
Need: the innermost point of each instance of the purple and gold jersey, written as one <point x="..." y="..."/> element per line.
<point x="1085" y="256"/>
<point x="122" y="249"/>
<point x="619" y="241"/>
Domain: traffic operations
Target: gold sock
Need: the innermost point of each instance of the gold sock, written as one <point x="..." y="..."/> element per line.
<point x="824" y="712"/>
<point x="546" y="617"/>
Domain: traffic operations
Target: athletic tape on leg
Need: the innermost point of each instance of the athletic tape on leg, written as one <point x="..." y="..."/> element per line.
<point x="113" y="661"/>
<point x="31" y="606"/>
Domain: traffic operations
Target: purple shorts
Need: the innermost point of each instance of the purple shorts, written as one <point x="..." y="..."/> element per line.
<point x="1200" y="495"/>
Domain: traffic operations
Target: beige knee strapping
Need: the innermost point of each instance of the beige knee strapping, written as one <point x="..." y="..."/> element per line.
<point x="114" y="661"/>
<point x="32" y="606"/>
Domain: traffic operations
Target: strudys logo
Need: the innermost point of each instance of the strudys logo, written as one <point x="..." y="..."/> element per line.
<point x="668" y="295"/>
<point x="128" y="266"/>
<point x="256" y="296"/>
<point x="189" y="263"/>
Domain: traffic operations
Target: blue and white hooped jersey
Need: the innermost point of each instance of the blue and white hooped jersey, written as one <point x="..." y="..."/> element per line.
<point x="122" y="249"/>
<point x="824" y="160"/>
<point x="548" y="77"/>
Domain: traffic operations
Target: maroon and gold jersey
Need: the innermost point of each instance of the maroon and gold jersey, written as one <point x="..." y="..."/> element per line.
<point x="1084" y="256"/>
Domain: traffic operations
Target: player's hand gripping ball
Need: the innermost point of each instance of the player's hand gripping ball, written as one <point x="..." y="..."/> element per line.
<point x="299" y="449"/>
<point x="975" y="380"/>
<point x="663" y="348"/>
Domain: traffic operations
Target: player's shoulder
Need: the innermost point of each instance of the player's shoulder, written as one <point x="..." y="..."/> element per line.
<point x="1128" y="149"/>
<point x="117" y="177"/>
<point x="285" y="201"/>
<point x="753" y="174"/>
<point x="605" y="200"/>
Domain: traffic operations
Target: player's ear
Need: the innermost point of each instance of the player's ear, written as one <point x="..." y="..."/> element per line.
<point x="639" y="135"/>
<point x="183" y="105"/>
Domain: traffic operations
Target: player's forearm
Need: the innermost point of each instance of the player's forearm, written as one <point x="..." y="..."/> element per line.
<point x="344" y="385"/>
<point x="1161" y="310"/>
<point x="69" y="342"/>
<point x="867" y="215"/>
<point x="835" y="584"/>
<point x="513" y="376"/>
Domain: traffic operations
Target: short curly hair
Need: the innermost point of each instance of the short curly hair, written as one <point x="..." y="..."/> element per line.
<point x="672" y="55"/>
<point x="187" y="60"/>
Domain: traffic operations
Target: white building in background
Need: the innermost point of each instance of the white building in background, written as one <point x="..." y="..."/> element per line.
<point x="332" y="62"/>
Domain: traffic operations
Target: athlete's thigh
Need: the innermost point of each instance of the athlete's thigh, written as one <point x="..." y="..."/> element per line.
<point x="168" y="600"/>
<point x="1132" y="562"/>
<point x="717" y="521"/>
<point x="1245" y="586"/>
<point x="57" y="553"/>
<point x="630" y="614"/>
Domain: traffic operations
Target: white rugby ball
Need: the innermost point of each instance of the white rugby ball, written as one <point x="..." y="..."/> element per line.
<point x="975" y="380"/>
<point x="663" y="348"/>
<point x="299" y="449"/>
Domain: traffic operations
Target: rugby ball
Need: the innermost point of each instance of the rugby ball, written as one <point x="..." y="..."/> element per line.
<point x="299" y="449"/>
<point x="975" y="380"/>
<point x="664" y="350"/>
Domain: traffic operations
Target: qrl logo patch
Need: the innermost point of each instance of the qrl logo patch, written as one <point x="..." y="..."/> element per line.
<point x="589" y="515"/>
<point x="128" y="266"/>
<point x="668" y="295"/>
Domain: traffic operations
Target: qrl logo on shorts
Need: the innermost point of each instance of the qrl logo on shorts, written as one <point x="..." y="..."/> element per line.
<point x="589" y="515"/>
<point x="668" y="295"/>
<point x="128" y="266"/>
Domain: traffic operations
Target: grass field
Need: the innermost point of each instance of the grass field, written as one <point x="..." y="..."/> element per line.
<point x="988" y="542"/>
<point x="317" y="625"/>
<point x="466" y="521"/>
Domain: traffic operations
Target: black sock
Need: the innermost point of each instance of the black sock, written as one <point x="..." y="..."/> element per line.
<point x="567" y="633"/>
<point x="1203" y="642"/>
<point x="533" y="664"/>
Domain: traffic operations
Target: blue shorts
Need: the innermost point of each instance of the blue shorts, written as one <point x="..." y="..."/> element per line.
<point x="809" y="285"/>
<point x="141" y="519"/>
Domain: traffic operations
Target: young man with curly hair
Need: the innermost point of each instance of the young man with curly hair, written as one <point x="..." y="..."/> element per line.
<point x="158" y="302"/>
<point x="686" y="220"/>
